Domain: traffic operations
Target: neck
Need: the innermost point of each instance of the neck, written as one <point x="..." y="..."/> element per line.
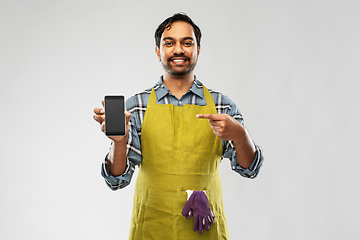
<point x="178" y="85"/>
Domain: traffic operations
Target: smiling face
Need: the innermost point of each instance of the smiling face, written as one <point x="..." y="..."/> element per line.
<point x="178" y="51"/>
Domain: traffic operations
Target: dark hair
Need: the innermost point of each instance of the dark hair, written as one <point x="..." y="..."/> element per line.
<point x="177" y="17"/>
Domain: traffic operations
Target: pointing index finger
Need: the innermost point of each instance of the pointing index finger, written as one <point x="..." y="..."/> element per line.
<point x="204" y="116"/>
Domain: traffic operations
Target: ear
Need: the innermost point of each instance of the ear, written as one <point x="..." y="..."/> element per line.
<point x="157" y="51"/>
<point x="198" y="50"/>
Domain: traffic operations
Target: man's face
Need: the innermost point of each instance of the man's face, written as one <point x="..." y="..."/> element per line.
<point x="178" y="51"/>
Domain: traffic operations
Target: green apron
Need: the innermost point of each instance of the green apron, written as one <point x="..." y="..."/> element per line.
<point x="180" y="152"/>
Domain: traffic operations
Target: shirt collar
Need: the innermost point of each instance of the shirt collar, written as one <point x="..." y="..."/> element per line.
<point x="161" y="90"/>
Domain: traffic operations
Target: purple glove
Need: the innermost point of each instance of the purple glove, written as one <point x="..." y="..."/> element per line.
<point x="198" y="204"/>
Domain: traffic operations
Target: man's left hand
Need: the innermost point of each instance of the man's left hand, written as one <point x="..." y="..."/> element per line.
<point x="224" y="126"/>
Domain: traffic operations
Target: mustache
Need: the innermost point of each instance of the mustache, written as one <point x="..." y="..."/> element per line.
<point x="178" y="55"/>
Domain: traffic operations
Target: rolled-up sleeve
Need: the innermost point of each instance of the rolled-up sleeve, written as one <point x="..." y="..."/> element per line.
<point x="118" y="182"/>
<point x="254" y="168"/>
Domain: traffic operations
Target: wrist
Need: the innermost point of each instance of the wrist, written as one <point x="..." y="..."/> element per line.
<point x="120" y="140"/>
<point x="240" y="135"/>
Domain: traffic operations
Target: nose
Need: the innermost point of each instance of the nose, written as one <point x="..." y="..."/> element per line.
<point x="178" y="48"/>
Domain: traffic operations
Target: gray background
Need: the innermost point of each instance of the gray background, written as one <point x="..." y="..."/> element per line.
<point x="292" y="67"/>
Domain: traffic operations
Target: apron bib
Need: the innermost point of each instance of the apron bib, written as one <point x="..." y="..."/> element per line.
<point x="180" y="152"/>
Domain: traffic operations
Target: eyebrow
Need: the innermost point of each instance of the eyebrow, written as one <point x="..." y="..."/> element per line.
<point x="185" y="38"/>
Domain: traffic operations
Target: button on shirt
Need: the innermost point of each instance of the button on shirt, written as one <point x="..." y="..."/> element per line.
<point x="137" y="104"/>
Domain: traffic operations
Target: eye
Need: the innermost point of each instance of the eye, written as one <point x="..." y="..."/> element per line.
<point x="188" y="44"/>
<point x="167" y="44"/>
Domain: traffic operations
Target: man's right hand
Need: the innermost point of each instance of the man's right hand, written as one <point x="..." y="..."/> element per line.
<point x="117" y="154"/>
<point x="100" y="118"/>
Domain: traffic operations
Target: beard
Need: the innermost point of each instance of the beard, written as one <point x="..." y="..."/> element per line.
<point x="178" y="71"/>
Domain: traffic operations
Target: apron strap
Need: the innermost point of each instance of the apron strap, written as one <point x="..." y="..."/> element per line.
<point x="208" y="98"/>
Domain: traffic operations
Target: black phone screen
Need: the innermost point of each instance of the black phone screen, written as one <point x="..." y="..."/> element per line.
<point x="114" y="116"/>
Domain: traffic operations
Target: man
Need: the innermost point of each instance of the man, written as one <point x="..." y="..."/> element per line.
<point x="177" y="133"/>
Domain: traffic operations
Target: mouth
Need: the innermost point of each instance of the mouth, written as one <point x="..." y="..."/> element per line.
<point x="178" y="61"/>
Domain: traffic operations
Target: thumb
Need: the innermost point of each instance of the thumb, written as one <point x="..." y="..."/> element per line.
<point x="127" y="116"/>
<point x="186" y="212"/>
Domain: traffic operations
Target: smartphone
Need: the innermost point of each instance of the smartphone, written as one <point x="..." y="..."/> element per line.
<point x="114" y="116"/>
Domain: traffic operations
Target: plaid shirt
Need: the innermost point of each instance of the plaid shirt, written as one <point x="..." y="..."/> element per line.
<point x="137" y="104"/>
